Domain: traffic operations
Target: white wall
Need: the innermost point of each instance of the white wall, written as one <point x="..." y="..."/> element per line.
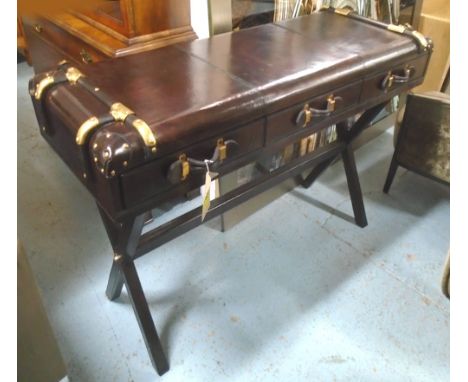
<point x="199" y="16"/>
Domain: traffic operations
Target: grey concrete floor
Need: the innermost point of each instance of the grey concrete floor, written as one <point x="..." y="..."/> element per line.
<point x="293" y="293"/>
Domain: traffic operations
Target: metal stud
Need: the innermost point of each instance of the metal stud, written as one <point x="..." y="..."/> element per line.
<point x="105" y="154"/>
<point x="43" y="128"/>
<point x="125" y="163"/>
<point x="117" y="257"/>
<point x="95" y="146"/>
<point x="113" y="173"/>
<point x="108" y="135"/>
<point x="125" y="146"/>
<point x="96" y="89"/>
<point x="84" y="175"/>
<point x="96" y="159"/>
<point x="102" y="170"/>
<point x="153" y="150"/>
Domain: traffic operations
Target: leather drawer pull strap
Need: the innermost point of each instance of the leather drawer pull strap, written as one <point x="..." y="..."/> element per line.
<point x="180" y="169"/>
<point x="423" y="42"/>
<point x="392" y="78"/>
<point x="307" y="113"/>
<point x="117" y="111"/>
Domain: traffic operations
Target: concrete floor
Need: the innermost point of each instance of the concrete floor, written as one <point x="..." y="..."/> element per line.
<point x="293" y="293"/>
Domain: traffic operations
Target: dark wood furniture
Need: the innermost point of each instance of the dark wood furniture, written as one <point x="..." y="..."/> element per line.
<point x="220" y="103"/>
<point x="110" y="29"/>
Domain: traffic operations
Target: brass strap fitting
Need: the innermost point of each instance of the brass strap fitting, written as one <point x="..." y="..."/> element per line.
<point x="185" y="167"/>
<point x="42" y="85"/>
<point x="222" y="149"/>
<point x="422" y="40"/>
<point x="72" y="75"/>
<point x="331" y="103"/>
<point x="120" y="112"/>
<point x="145" y="133"/>
<point x="396" y="28"/>
<point x="402" y="29"/>
<point x="86" y="127"/>
<point x="308" y="115"/>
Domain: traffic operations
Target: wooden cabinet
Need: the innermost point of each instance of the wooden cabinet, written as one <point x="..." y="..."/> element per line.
<point x="112" y="28"/>
<point x="435" y="22"/>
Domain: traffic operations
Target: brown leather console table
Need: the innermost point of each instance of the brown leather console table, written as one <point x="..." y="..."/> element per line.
<point x="140" y="131"/>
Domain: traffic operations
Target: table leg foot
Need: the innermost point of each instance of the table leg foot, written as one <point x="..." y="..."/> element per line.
<point x="115" y="283"/>
<point x="354" y="186"/>
<point x="143" y="315"/>
<point x="391" y="174"/>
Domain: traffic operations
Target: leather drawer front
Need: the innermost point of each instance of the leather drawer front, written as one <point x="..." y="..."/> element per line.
<point x="74" y="47"/>
<point x="283" y="123"/>
<point x="151" y="179"/>
<point x="373" y="85"/>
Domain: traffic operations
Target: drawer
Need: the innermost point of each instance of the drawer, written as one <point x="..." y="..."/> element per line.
<point x="163" y="174"/>
<point x="312" y="111"/>
<point x="397" y="78"/>
<point x="44" y="56"/>
<point x="72" y="46"/>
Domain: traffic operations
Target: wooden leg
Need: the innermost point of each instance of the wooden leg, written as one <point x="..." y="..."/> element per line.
<point x="354" y="186"/>
<point x="115" y="283"/>
<point x="124" y="237"/>
<point x="391" y="174"/>
<point x="316" y="172"/>
<point x="143" y="314"/>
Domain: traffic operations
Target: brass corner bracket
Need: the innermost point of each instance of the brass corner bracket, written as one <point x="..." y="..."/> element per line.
<point x="119" y="113"/>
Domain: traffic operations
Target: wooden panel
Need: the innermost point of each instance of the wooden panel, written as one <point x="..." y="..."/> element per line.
<point x="128" y="27"/>
<point x="435" y="23"/>
<point x="39" y="357"/>
<point x="155" y="15"/>
<point x="114" y="15"/>
<point x="44" y="31"/>
<point x="99" y="39"/>
<point x="44" y="55"/>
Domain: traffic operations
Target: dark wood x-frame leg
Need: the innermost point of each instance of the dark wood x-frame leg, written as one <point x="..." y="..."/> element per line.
<point x="128" y="243"/>
<point x="124" y="237"/>
<point x="347" y="135"/>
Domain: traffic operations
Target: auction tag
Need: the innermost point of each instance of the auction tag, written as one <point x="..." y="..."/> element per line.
<point x="206" y="195"/>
